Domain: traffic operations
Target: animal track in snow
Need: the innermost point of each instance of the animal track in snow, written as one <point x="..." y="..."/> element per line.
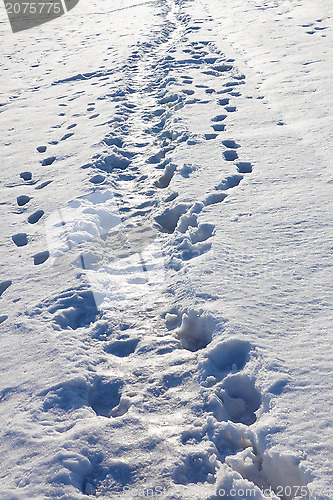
<point x="230" y="109"/>
<point x="97" y="179"/>
<point x="41" y="149"/>
<point x="219" y="118"/>
<point x="223" y="102"/>
<point x="226" y="356"/>
<point x="43" y="184"/>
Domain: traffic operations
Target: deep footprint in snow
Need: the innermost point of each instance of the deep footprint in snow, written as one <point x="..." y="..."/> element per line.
<point x="240" y="399"/>
<point x="122" y="348"/>
<point x="195" y="331"/>
<point x="168" y="220"/>
<point x="164" y="181"/>
<point x="226" y="356"/>
<point x="41" y="149"/>
<point x="97" y="179"/>
<point x="105" y="398"/>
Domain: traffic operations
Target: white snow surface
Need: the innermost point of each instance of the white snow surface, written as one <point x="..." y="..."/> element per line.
<point x="166" y="241"/>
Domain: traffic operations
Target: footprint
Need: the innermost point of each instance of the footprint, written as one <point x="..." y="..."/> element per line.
<point x="67" y="136"/>
<point x="33" y="218"/>
<point x="219" y="118"/>
<point x="164" y="181"/>
<point x="20" y="239"/>
<point x="71" y="309"/>
<point x="97" y="179"/>
<point x="223" y="102"/>
<point x="48" y="161"/>
<point x="122" y="348"/>
<point x="230" y="144"/>
<point x="168" y="220"/>
<point x="240" y="398"/>
<point x="229" y="182"/>
<point x="202" y="233"/>
<point x="195" y="331"/>
<point x="71" y="126"/>
<point x="23" y="200"/>
<point x="218" y="127"/>
<point x="213" y="198"/>
<point x="230" y="155"/>
<point x="3" y="318"/>
<point x="229" y="355"/>
<point x="4" y="285"/>
<point x="105" y="398"/>
<point x="41" y="149"/>
<point x="40" y="258"/>
<point x="26" y="176"/>
<point x="209" y="137"/>
<point x="244" y="167"/>
<point x="43" y="184"/>
<point x="230" y="109"/>
<point x="188" y="91"/>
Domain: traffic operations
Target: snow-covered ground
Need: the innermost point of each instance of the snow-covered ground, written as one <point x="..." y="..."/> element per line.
<point x="166" y="240"/>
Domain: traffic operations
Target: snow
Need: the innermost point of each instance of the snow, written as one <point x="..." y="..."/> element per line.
<point x="165" y="285"/>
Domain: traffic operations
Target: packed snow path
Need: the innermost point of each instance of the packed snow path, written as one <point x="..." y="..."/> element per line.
<point x="165" y="288"/>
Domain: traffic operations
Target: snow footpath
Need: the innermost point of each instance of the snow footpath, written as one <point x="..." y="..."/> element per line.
<point x="165" y="270"/>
